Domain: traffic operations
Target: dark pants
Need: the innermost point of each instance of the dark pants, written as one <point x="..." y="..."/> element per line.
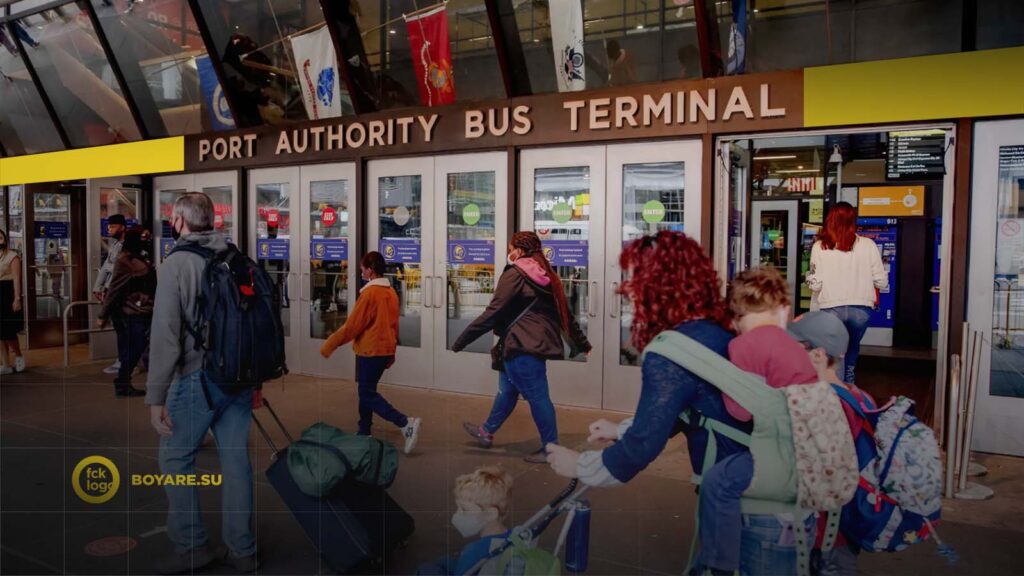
<point x="132" y="341"/>
<point x="369" y="369"/>
<point x="526" y="375"/>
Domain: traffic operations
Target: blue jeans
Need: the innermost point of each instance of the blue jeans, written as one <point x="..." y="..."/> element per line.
<point x="369" y="370"/>
<point x="192" y="414"/>
<point x="132" y="341"/>
<point x="768" y="545"/>
<point x="721" y="521"/>
<point x="526" y="375"/>
<point x="856" y="319"/>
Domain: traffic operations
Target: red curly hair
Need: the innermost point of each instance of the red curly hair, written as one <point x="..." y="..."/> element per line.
<point x="840" y="229"/>
<point x="670" y="281"/>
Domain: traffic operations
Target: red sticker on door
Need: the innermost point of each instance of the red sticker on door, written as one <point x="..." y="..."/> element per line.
<point x="328" y="216"/>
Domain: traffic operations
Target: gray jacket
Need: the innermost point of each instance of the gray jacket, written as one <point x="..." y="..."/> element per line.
<point x="106" y="271"/>
<point x="171" y="347"/>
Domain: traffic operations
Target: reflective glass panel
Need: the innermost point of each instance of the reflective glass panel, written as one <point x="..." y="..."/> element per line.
<point x="166" y="234"/>
<point x="400" y="219"/>
<point x="123" y="201"/>
<point x="652" y="201"/>
<point x="25" y="126"/>
<point x="470" y="252"/>
<point x="278" y="58"/>
<point x="16" y="218"/>
<point x="223" y="209"/>
<point x="329" y="257"/>
<point x="78" y="79"/>
<point x="561" y="218"/>
<point x="1008" y="301"/>
<point x="273" y="240"/>
<point x="159" y="49"/>
<point x="52" y="266"/>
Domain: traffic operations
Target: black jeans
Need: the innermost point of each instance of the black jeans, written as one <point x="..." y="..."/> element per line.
<point x="369" y="370"/>
<point x="132" y="341"/>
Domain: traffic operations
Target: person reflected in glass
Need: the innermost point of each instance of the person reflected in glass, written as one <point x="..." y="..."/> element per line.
<point x="531" y="317"/>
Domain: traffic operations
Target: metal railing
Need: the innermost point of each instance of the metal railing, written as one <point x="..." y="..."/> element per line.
<point x="66" y="314"/>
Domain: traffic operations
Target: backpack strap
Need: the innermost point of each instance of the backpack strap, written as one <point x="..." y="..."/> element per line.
<point x="208" y="255"/>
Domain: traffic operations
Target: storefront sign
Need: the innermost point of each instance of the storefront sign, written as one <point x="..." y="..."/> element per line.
<point x="51" y="230"/>
<point x="875" y="201"/>
<point x="669" y="109"/>
<point x="272" y="249"/>
<point x="566" y="252"/>
<point x="471" y="251"/>
<point x="401" y="250"/>
<point x="329" y="249"/>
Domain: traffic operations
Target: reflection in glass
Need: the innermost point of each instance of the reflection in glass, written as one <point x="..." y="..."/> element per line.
<point x="561" y="217"/>
<point x="470" y="252"/>
<point x="329" y="257"/>
<point x="400" y="220"/>
<point x="52" y="237"/>
<point x="652" y="201"/>
<point x="157" y="45"/>
<point x="223" y="209"/>
<point x="25" y="126"/>
<point x="16" y="218"/>
<point x="273" y="240"/>
<point x="1008" y="301"/>
<point x="75" y="73"/>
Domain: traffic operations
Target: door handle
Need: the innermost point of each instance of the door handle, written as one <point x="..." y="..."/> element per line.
<point x="614" y="298"/>
<point x="440" y="293"/>
<point x="425" y="287"/>
<point x="303" y="288"/>
<point x="592" y="300"/>
<point x="288" y="287"/>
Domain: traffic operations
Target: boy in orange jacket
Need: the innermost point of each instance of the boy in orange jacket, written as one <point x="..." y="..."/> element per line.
<point x="373" y="326"/>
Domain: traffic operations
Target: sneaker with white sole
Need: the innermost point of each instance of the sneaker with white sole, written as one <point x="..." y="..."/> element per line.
<point x="4" y="371"/>
<point x="113" y="368"/>
<point x="411" y="433"/>
<point x="19" y="363"/>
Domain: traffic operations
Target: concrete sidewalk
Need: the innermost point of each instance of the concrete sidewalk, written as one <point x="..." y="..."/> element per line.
<point x="51" y="418"/>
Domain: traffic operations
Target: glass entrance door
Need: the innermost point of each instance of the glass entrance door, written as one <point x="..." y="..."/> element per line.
<point x="273" y="243"/>
<point x="471" y="215"/>
<point x="774" y="241"/>
<point x="563" y="199"/>
<point x="651" y="187"/>
<point x="329" y="272"/>
<point x="221" y="187"/>
<point x="400" y="226"/>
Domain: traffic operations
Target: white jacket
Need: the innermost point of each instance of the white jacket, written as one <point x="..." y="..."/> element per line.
<point x="840" y="278"/>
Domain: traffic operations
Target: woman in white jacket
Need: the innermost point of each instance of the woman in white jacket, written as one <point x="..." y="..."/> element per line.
<point x="845" y="271"/>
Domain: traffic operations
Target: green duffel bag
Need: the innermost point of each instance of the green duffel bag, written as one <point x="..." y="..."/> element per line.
<point x="324" y="456"/>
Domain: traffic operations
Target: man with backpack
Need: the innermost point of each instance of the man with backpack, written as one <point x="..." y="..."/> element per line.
<point x="185" y="403"/>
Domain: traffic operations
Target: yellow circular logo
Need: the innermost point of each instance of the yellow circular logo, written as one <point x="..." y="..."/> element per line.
<point x="95" y="479"/>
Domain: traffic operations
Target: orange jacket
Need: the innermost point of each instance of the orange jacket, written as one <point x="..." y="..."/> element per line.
<point x="373" y="324"/>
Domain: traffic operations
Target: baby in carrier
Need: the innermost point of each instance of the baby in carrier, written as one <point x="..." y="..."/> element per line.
<point x="760" y="304"/>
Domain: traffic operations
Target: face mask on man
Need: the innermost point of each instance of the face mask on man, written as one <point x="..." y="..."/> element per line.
<point x="471" y="523"/>
<point x="175" y="232"/>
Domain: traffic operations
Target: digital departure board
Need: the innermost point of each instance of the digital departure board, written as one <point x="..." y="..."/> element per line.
<point x="915" y="154"/>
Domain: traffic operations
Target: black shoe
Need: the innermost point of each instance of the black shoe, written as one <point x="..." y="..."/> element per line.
<point x="538" y="457"/>
<point x="128" y="392"/>
<point x="188" y="561"/>
<point x="240" y="564"/>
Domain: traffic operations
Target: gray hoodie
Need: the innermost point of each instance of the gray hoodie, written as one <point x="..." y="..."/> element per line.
<point x="171" y="347"/>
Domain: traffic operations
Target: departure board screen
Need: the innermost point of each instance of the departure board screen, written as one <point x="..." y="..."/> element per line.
<point x="915" y="155"/>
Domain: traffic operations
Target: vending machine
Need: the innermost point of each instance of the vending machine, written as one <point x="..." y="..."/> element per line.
<point x="884" y="232"/>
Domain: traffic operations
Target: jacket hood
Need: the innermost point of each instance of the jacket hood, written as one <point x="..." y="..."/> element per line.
<point x="210" y="239"/>
<point x="533" y="270"/>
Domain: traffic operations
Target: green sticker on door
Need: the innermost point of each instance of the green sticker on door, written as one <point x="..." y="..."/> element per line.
<point x="654" y="212"/>
<point x="561" y="212"/>
<point x="471" y="214"/>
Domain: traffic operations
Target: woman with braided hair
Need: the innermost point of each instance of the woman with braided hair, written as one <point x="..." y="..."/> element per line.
<point x="530" y="315"/>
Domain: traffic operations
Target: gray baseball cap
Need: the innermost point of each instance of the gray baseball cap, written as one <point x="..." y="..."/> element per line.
<point x="821" y="330"/>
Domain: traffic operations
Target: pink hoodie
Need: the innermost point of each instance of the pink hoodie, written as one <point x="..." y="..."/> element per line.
<point x="533" y="270"/>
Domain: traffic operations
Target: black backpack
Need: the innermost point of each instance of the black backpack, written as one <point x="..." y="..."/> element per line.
<point x="238" y="321"/>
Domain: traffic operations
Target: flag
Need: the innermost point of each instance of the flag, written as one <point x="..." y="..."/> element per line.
<point x="317" y="68"/>
<point x="432" y="56"/>
<point x="213" y="95"/>
<point x="567" y="41"/>
<point x="738" y="39"/>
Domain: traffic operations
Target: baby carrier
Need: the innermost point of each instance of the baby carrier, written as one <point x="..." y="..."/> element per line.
<point x="804" y="459"/>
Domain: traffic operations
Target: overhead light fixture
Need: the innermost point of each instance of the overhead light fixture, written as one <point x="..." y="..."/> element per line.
<point x="639" y="26"/>
<point x="782" y="157"/>
<point x="796" y="171"/>
<point x="837" y="155"/>
<point x="392" y="31"/>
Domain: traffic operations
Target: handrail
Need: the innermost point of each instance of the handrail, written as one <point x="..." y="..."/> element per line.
<point x="65" y="315"/>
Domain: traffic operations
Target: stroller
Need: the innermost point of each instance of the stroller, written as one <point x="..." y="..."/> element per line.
<point x="518" y="555"/>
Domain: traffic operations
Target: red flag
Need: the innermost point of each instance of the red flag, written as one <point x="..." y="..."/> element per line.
<point x="432" y="56"/>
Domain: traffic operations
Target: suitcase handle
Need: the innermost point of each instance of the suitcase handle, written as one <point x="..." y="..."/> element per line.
<point x="263" y="431"/>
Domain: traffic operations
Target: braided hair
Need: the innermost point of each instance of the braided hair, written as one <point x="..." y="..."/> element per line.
<point x="530" y="244"/>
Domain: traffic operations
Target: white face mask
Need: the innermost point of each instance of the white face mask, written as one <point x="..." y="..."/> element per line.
<point x="470" y="524"/>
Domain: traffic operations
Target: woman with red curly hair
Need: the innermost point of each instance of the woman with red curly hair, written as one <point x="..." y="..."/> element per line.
<point x="672" y="286"/>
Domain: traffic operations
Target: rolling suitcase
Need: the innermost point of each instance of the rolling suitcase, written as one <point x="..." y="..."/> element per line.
<point x="354" y="528"/>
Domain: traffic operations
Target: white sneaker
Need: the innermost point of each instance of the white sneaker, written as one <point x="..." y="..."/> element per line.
<point x="113" y="368"/>
<point x="4" y="371"/>
<point x="19" y="363"/>
<point x="411" y="433"/>
<point x="333" y="307"/>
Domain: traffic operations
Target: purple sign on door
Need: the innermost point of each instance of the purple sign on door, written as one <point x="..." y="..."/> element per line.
<point x="471" y="251"/>
<point x="329" y="249"/>
<point x="272" y="249"/>
<point x="166" y="245"/>
<point x="401" y="250"/>
<point x="566" y="252"/>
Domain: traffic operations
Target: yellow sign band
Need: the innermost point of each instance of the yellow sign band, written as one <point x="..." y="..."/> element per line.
<point x="147" y="157"/>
